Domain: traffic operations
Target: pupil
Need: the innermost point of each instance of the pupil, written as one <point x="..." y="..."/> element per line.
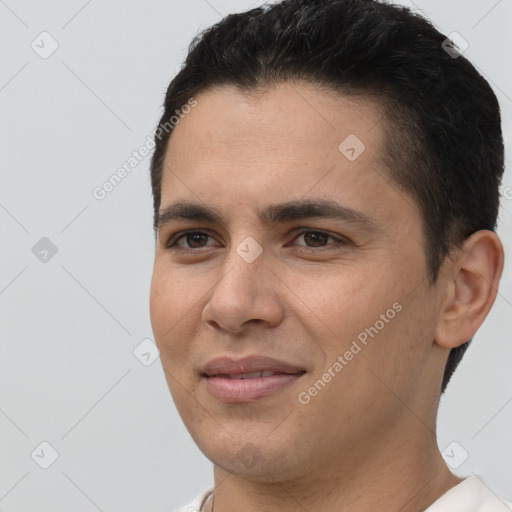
<point x="195" y="236"/>
<point x="312" y="234"/>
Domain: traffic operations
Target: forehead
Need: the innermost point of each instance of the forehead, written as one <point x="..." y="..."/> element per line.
<point x="243" y="151"/>
<point x="288" y="119"/>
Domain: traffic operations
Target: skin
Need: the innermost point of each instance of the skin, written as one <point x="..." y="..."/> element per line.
<point x="367" y="440"/>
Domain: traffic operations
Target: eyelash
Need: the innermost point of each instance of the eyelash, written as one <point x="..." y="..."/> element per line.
<point x="172" y="244"/>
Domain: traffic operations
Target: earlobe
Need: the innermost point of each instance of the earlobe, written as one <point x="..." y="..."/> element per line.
<point x="471" y="288"/>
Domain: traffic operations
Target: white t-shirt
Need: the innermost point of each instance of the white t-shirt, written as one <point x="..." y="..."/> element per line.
<point x="471" y="495"/>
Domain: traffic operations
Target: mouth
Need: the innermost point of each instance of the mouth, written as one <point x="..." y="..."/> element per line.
<point x="249" y="379"/>
<point x="250" y="366"/>
<point x="249" y="387"/>
<point x="251" y="375"/>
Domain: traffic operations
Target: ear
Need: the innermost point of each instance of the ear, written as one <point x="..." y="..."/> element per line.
<point x="472" y="280"/>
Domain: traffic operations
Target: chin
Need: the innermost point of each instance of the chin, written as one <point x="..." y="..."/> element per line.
<point x="251" y="458"/>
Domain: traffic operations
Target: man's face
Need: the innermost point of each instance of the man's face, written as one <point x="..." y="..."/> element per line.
<point x="345" y="300"/>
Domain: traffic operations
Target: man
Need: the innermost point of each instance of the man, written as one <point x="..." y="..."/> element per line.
<point x="325" y="204"/>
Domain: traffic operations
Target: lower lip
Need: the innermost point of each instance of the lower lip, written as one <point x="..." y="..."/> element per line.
<point x="247" y="390"/>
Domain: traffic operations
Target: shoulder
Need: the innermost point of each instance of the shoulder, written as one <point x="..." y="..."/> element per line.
<point x="471" y="495"/>
<point x="196" y="503"/>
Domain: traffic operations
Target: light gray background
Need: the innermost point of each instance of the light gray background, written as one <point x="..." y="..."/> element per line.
<point x="69" y="326"/>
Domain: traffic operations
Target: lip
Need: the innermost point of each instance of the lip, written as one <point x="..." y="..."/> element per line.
<point x="217" y="374"/>
<point x="228" y="366"/>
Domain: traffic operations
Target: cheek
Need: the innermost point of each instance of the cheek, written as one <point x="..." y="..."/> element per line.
<point x="159" y="307"/>
<point x="175" y="312"/>
<point x="346" y="303"/>
<point x="169" y="313"/>
<point x="366" y="318"/>
<point x="166" y="309"/>
<point x="170" y="295"/>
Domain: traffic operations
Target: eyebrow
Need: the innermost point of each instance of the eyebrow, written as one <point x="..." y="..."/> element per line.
<point x="272" y="214"/>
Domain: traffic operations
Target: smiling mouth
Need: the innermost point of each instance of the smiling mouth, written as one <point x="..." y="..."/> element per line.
<point x="252" y="375"/>
<point x="249" y="387"/>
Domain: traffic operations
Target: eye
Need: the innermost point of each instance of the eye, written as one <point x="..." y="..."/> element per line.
<point x="195" y="240"/>
<point x="314" y="239"/>
<point x="319" y="239"/>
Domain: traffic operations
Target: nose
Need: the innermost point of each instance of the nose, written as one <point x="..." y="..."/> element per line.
<point x="246" y="295"/>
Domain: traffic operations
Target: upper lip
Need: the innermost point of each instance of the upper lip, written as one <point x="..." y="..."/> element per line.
<point x="248" y="364"/>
